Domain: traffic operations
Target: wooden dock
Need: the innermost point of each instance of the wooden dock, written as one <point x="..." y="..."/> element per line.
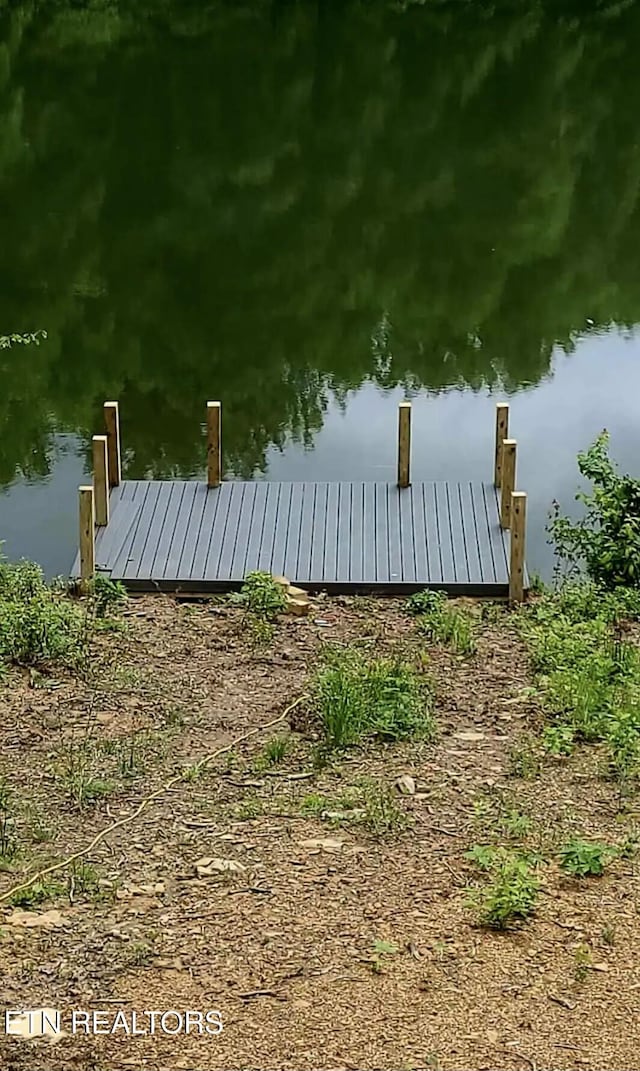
<point x="176" y="535"/>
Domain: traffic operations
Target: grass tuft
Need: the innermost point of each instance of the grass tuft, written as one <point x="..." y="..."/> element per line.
<point x="357" y="699"/>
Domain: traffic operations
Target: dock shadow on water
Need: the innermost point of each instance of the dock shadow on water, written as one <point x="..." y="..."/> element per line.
<point x="278" y="203"/>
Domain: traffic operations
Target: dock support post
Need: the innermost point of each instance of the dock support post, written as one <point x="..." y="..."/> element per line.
<point x="101" y="479"/>
<point x="112" y="426"/>
<point x="214" y="448"/>
<point x="404" y="443"/>
<point x="508" y="480"/>
<point x="502" y="433"/>
<point x="518" y="535"/>
<point x="87" y="536"/>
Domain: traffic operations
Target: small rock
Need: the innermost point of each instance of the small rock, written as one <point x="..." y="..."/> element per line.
<point x="207" y="867"/>
<point x="299" y="607"/>
<point x="406" y="785"/>
<point x="327" y="844"/>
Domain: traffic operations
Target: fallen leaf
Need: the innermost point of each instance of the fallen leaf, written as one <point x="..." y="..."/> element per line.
<point x="207" y="867"/>
<point x="469" y="734"/>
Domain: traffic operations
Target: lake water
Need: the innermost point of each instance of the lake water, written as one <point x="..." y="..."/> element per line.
<point x="312" y="210"/>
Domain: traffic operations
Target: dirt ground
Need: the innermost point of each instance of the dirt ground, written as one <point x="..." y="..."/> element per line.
<point x="321" y="944"/>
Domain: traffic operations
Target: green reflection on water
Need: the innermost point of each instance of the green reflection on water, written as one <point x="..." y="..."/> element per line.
<point x="270" y="202"/>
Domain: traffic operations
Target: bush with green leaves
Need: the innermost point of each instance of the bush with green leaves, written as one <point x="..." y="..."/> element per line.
<point x="605" y="541"/>
<point x="510" y="891"/>
<point x="588" y="673"/>
<point x="357" y="698"/>
<point x="38" y="624"/>
<point x="107" y="595"/>
<point x="582" y="858"/>
<point x="426" y="602"/>
<point x="262" y="596"/>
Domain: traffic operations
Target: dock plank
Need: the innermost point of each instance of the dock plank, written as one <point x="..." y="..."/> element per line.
<point x="373" y="536"/>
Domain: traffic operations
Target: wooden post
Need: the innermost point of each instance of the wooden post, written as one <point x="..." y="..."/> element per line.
<point x="87" y="536"/>
<point x="214" y="449"/>
<point x="404" y="443"/>
<point x="508" y="480"/>
<point x="518" y="536"/>
<point x="112" y="426"/>
<point x="502" y="433"/>
<point x="101" y="479"/>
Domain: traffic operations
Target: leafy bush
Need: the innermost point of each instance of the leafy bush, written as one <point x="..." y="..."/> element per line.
<point x="582" y="859"/>
<point x="426" y="602"/>
<point x="262" y="596"/>
<point x="37" y="623"/>
<point x="588" y="675"/>
<point x="510" y="892"/>
<point x="107" y="594"/>
<point x="356" y="698"/>
<point x="606" y="540"/>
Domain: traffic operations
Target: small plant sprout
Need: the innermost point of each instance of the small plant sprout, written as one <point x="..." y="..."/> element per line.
<point x="274" y="752"/>
<point x="510" y="891"/>
<point x="378" y="951"/>
<point x="524" y="757"/>
<point x="382" y="815"/>
<point x="581" y="962"/>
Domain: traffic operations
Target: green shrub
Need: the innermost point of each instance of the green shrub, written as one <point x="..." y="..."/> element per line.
<point x="37" y="623"/>
<point x="108" y="595"/>
<point x="606" y="540"/>
<point x="426" y="602"/>
<point x="262" y="596"/>
<point x="582" y="859"/>
<point x="356" y="698"/>
<point x="510" y="892"/>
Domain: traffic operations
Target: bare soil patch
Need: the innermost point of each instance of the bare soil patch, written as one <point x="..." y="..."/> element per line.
<point x="323" y="944"/>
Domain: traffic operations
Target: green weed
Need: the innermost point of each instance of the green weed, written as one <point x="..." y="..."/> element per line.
<point x="582" y="859"/>
<point x="510" y="891"/>
<point x="36" y="893"/>
<point x="383" y="816"/>
<point x="37" y="623"/>
<point x="443" y="623"/>
<point x="107" y="595"/>
<point x="524" y="757"/>
<point x="379" y="950"/>
<point x="261" y="596"/>
<point x="274" y="752"/>
<point x="356" y="699"/>
<point x="426" y="602"/>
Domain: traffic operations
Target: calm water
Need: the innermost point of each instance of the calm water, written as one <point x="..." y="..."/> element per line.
<point x="312" y="210"/>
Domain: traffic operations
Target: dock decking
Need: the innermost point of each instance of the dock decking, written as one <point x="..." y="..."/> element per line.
<point x="182" y="535"/>
<point x="463" y="538"/>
